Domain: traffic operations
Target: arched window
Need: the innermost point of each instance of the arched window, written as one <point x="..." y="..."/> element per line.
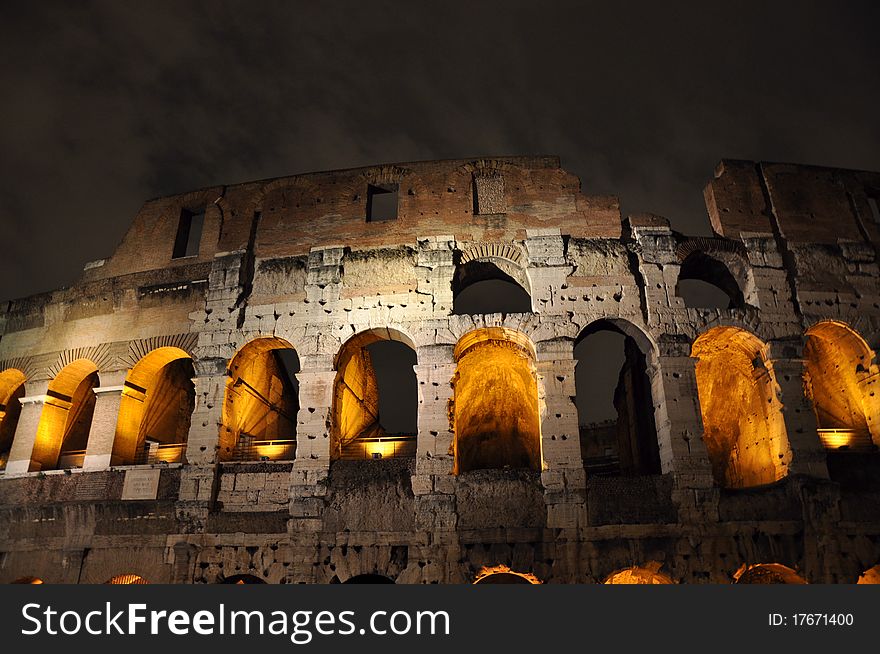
<point x="743" y="427"/>
<point x="242" y="580"/>
<point x="66" y="419"/>
<point x="375" y="399"/>
<point x="11" y="391"/>
<point x="705" y="281"/>
<point x="768" y="573"/>
<point x="157" y="402"/>
<point x="368" y="579"/>
<point x="838" y="375"/>
<point x="261" y="403"/>
<point x="639" y="575"/>
<point x="501" y="574"/>
<point x="480" y="287"/>
<point x="33" y="581"/>
<point x="615" y="409"/>
<point x="496" y="401"/>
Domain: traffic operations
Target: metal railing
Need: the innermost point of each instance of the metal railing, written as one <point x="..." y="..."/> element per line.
<point x="153" y="452"/>
<point x="71" y="459"/>
<point x="382" y="447"/>
<point x="847" y="440"/>
<point x="249" y="449"/>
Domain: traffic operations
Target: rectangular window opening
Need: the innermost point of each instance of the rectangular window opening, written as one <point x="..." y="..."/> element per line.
<point x="381" y="202"/>
<point x="189" y="234"/>
<point x="875" y="208"/>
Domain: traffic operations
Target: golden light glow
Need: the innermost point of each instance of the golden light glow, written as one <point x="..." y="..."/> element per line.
<point x="648" y="574"/>
<point x="743" y="427"/>
<point x="125" y="580"/>
<point x="502" y="574"/>
<point x="495" y="407"/>
<point x="261" y="403"/>
<point x="839" y="377"/>
<point x="870" y="576"/>
<point x="33" y="581"/>
<point x="157" y="401"/>
<point x="767" y="573"/>
<point x="11" y="390"/>
<point x="66" y="417"/>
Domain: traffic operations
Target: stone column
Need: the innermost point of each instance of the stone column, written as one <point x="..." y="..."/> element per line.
<point x="869" y="385"/>
<point x="563" y="476"/>
<point x="102" y="434"/>
<point x="808" y="453"/>
<point x="679" y="423"/>
<point x="22" y="451"/>
<point x="433" y="482"/>
<point x="204" y="442"/>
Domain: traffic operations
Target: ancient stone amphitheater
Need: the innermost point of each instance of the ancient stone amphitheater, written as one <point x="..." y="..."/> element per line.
<point x="203" y="406"/>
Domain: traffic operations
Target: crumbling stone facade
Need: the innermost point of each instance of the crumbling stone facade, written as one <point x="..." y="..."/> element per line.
<point x="752" y="441"/>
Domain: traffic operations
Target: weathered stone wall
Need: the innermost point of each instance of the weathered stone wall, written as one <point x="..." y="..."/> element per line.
<point x="295" y="260"/>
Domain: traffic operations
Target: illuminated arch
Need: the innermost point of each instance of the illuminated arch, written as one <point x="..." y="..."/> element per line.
<point x="11" y="391"/>
<point x="261" y="402"/>
<point x="126" y="580"/>
<point x="627" y="442"/>
<point x="33" y="581"/>
<point x="501" y="574"/>
<point x="63" y="432"/>
<point x="767" y="573"/>
<point x="743" y="427"/>
<point x="157" y="402"/>
<point x="871" y="576"/>
<point x="357" y="427"/>
<point x="242" y="580"/>
<point x="495" y="400"/>
<point x="838" y="367"/>
<point x="638" y="575"/>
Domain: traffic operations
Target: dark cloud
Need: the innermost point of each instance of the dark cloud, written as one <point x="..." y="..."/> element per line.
<point x="107" y="104"/>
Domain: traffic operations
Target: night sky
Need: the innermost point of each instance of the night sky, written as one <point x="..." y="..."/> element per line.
<point x="108" y="104"/>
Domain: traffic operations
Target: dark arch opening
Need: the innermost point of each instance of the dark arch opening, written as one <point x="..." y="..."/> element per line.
<point x="615" y="408"/>
<point x="369" y="579"/>
<point x="482" y="287"/>
<point x="375" y="403"/>
<point x="242" y="580"/>
<point x="706" y="283"/>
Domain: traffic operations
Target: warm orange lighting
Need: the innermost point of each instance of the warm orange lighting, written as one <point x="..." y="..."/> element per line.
<point x="870" y="577"/>
<point x="495" y="405"/>
<point x="767" y="573"/>
<point x="11" y="390"/>
<point x="125" y="580"/>
<point x="743" y="427"/>
<point x="33" y="581"/>
<point x="648" y="574"/>
<point x="502" y="574"/>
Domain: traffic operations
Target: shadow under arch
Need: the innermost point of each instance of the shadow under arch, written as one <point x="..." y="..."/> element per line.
<point x="261" y="402"/>
<point x="495" y="401"/>
<point x="33" y="581"/>
<point x="743" y="427"/>
<point x="490" y="286"/>
<point x="66" y="419"/>
<point x="375" y="397"/>
<point x="12" y="389"/>
<point x="705" y="280"/>
<point x="618" y="432"/>
<point x="369" y="578"/>
<point x="767" y="573"/>
<point x="158" y="399"/>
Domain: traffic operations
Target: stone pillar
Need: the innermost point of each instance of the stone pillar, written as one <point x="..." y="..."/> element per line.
<point x="22" y="451"/>
<point x="99" y="452"/>
<point x="808" y="453"/>
<point x="204" y="442"/>
<point x="433" y="482"/>
<point x="563" y="475"/>
<point x="679" y="423"/>
<point x="869" y="385"/>
<point x="311" y="468"/>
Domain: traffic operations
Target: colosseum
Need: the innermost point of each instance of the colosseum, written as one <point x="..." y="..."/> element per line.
<point x="384" y="375"/>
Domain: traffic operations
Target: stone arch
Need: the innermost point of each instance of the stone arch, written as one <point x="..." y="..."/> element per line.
<point x="126" y="580"/>
<point x="157" y="402"/>
<point x="359" y="427"/>
<point x="12" y="389"/>
<point x="871" y="576"/>
<point x="743" y="427"/>
<point x="491" y="278"/>
<point x="626" y="443"/>
<point x="261" y="402"/>
<point x="242" y="580"/>
<point x="840" y="376"/>
<point x="33" y="581"/>
<point x="495" y="409"/>
<point x="722" y="265"/>
<point x="647" y="575"/>
<point x="502" y="574"/>
<point x="66" y="419"/>
<point x="767" y="573"/>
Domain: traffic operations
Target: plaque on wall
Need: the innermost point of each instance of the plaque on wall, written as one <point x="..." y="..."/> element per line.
<point x="141" y="484"/>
